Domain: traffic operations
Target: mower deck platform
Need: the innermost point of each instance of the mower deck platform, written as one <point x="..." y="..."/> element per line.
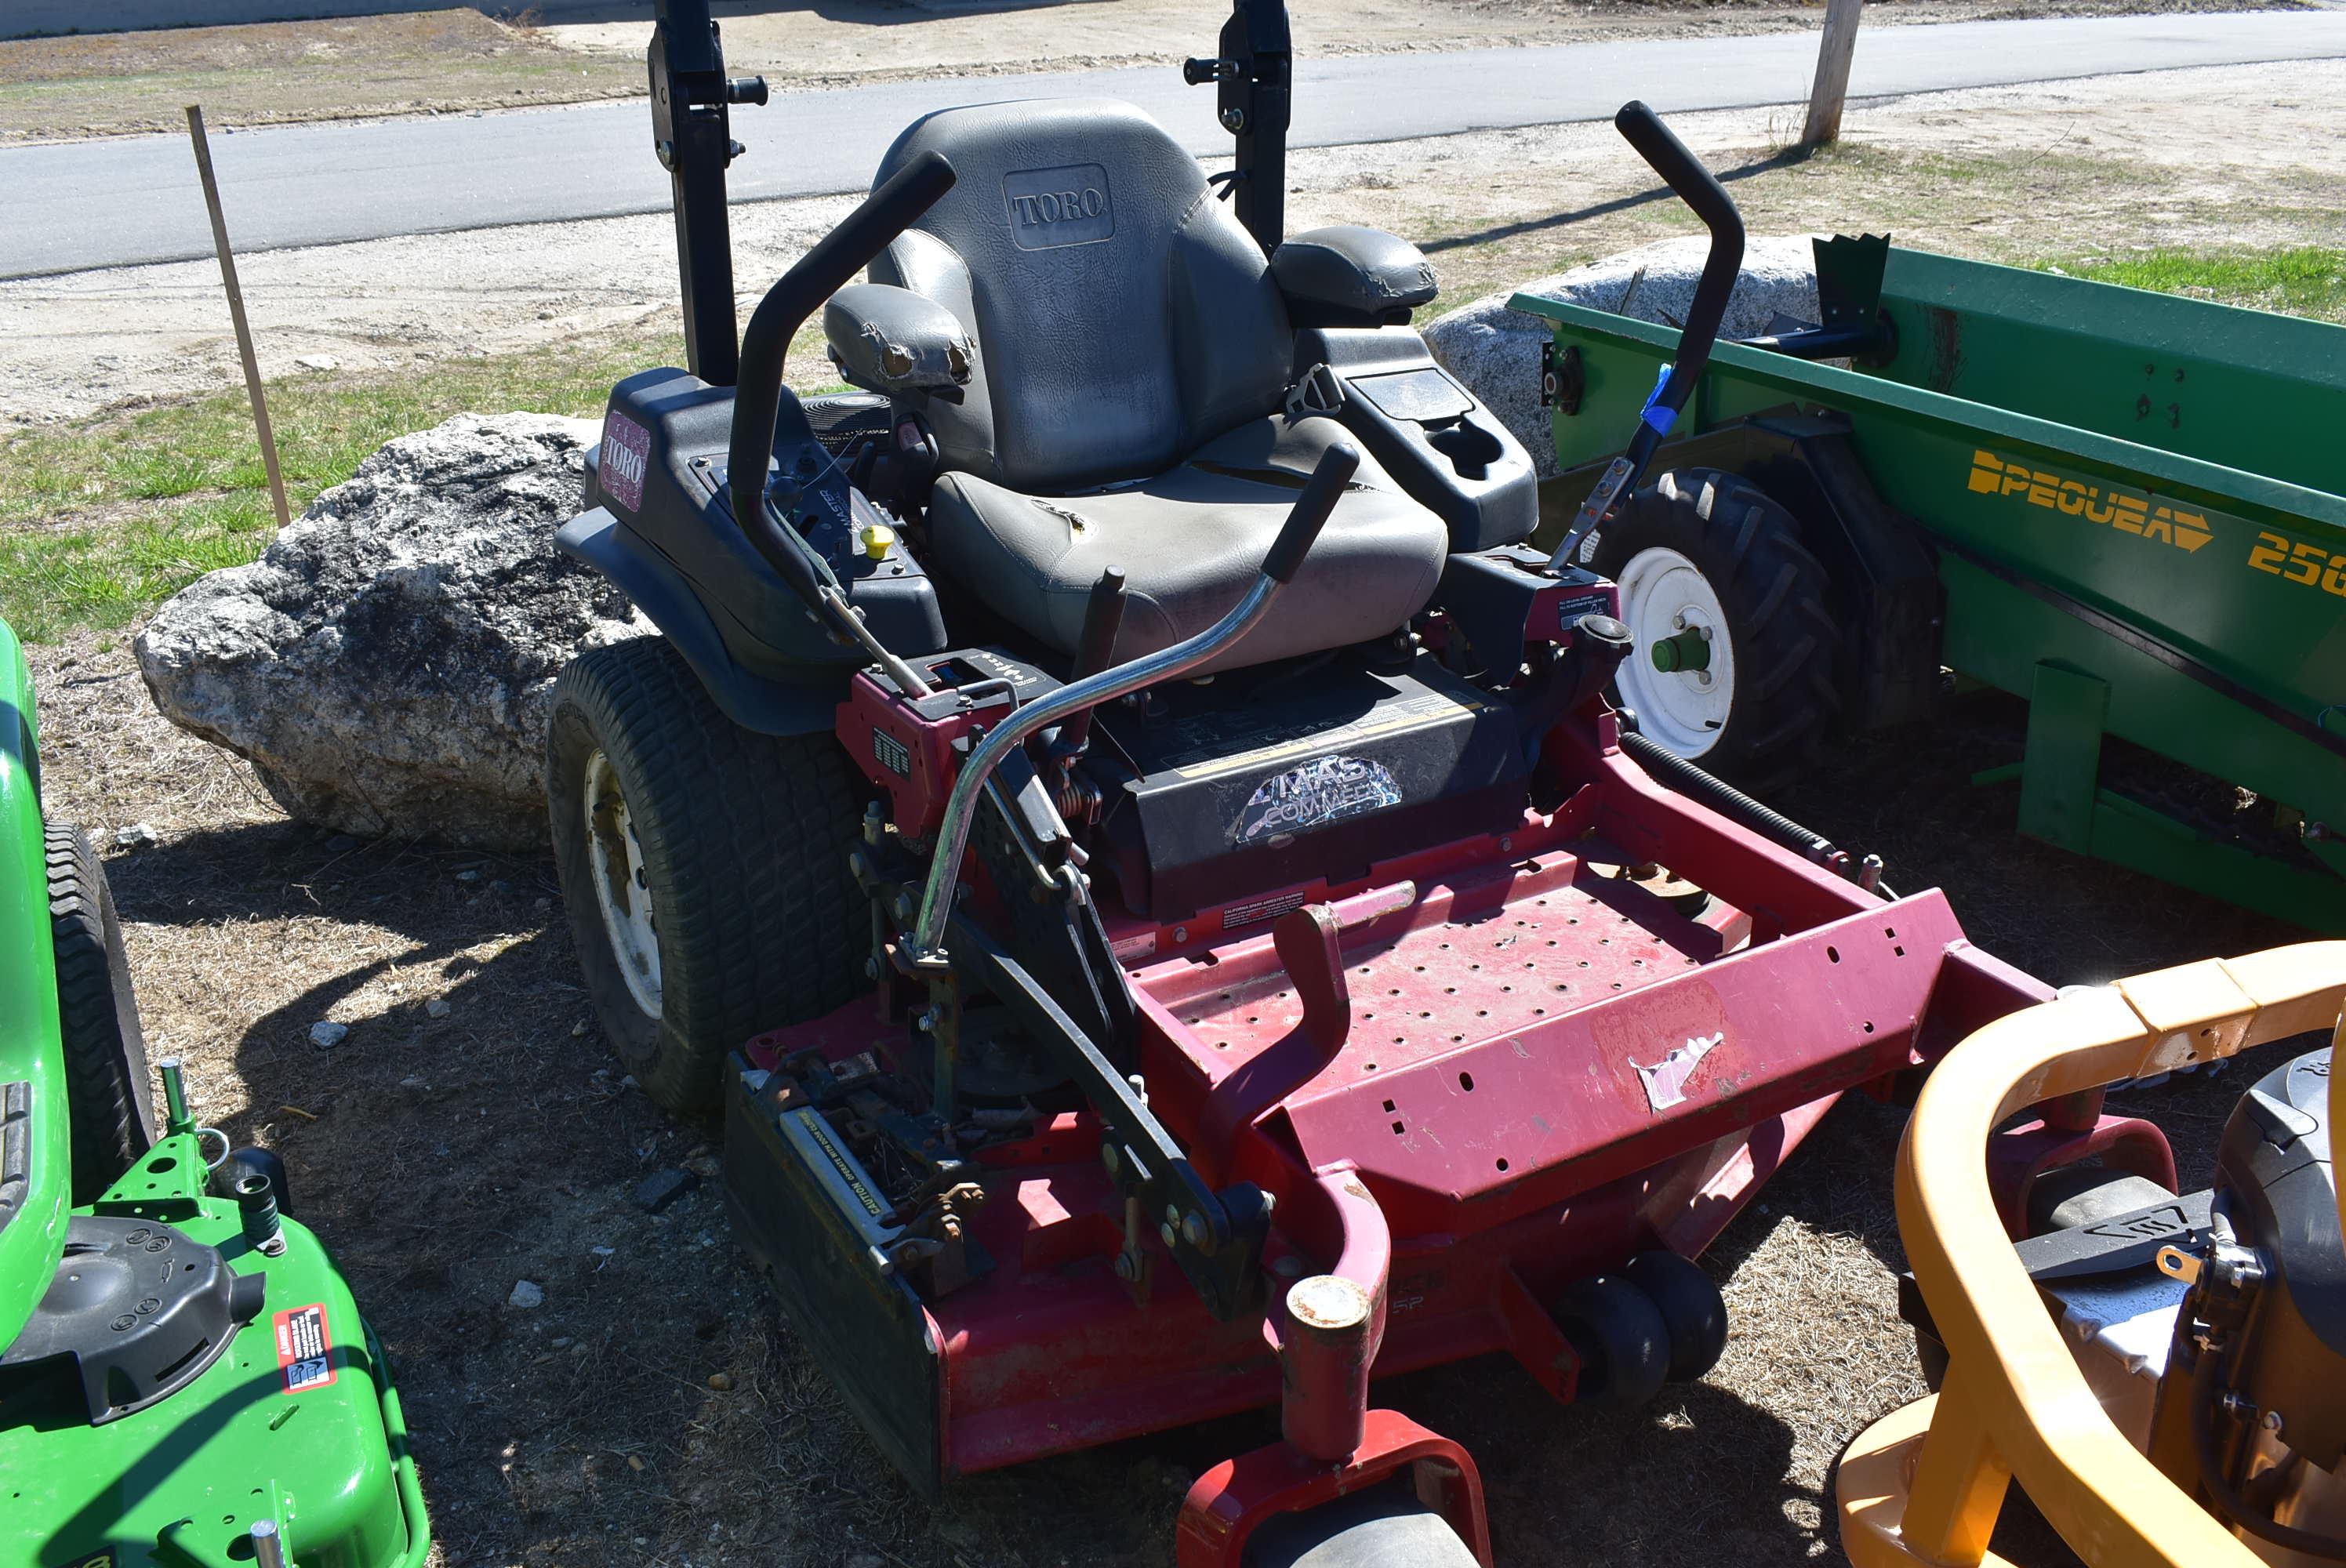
<point x="1477" y="1075"/>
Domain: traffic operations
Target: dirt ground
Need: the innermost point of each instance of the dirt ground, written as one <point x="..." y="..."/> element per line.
<point x="654" y="1411"/>
<point x="2226" y="156"/>
<point x="458" y="60"/>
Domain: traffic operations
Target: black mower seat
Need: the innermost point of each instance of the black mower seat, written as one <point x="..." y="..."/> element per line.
<point x="1133" y="358"/>
<point x="1189" y="541"/>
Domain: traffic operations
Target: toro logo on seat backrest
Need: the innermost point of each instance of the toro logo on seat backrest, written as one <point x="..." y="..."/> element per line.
<point x="1054" y="207"/>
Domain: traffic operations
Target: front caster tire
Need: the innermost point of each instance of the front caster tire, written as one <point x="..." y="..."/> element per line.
<point x="1383" y="1527"/>
<point x="1692" y="1309"/>
<point x="108" y="1100"/>
<point x="1622" y="1340"/>
<point x="703" y="867"/>
<point x="1734" y="667"/>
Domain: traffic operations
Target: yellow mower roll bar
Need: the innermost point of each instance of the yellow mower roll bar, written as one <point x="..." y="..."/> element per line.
<point x="1923" y="1485"/>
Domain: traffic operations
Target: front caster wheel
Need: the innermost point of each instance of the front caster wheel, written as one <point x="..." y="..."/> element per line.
<point x="703" y="867"/>
<point x="1622" y="1340"/>
<point x="1691" y="1307"/>
<point x="1383" y="1527"/>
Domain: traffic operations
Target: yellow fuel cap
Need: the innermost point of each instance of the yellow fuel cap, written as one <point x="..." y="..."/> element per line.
<point x="877" y="537"/>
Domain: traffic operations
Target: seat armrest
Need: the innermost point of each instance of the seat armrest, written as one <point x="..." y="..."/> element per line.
<point x="1348" y="276"/>
<point x="892" y="341"/>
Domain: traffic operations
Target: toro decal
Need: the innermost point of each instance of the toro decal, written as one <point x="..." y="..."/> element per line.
<point x="1326" y="789"/>
<point x="627" y="451"/>
<point x="1054" y="207"/>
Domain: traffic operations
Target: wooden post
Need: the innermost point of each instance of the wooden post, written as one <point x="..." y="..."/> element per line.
<point x="236" y="313"/>
<point x="1833" y="72"/>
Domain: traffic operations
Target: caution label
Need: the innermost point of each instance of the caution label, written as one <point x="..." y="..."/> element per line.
<point x="305" y="1349"/>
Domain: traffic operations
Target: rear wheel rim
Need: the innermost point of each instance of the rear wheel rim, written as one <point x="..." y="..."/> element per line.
<point x="622" y="885"/>
<point x="1664" y="593"/>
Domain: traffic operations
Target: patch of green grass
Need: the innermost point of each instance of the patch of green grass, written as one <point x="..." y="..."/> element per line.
<point x="102" y="518"/>
<point x="2301" y="280"/>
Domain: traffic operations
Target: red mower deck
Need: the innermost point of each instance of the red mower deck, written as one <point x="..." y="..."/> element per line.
<point x="1488" y="1070"/>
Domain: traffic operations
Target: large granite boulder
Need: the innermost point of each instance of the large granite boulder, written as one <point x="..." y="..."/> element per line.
<point x="1495" y="350"/>
<point x="387" y="665"/>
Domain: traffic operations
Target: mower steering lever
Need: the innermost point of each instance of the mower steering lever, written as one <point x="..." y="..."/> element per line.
<point x="816" y="276"/>
<point x="1696" y="185"/>
<point x="1279" y="567"/>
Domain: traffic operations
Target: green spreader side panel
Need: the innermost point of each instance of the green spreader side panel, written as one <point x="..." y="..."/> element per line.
<point x="2240" y="388"/>
<point x="2173" y="463"/>
<point x="296" y="1421"/>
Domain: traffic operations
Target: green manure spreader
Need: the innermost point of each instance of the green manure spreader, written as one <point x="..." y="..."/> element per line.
<point x="2123" y="507"/>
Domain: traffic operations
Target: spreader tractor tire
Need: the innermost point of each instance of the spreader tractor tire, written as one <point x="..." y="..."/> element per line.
<point x="1383" y="1527"/>
<point x="703" y="867"/>
<point x="1734" y="667"/>
<point x="109" y="1099"/>
<point x="1692" y="1306"/>
<point x="1621" y="1337"/>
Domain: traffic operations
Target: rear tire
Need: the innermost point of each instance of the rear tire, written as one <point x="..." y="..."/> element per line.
<point x="1383" y="1527"/>
<point x="1702" y="549"/>
<point x="1621" y="1337"/>
<point x="708" y="888"/>
<point x="109" y="1099"/>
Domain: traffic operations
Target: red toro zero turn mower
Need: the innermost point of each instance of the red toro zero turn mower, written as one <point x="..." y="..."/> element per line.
<point x="1136" y="844"/>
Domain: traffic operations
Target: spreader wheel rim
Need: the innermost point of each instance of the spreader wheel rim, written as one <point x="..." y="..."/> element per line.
<point x="614" y="855"/>
<point x="1664" y="595"/>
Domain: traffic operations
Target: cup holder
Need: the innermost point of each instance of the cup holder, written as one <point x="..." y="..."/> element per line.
<point x="1469" y="449"/>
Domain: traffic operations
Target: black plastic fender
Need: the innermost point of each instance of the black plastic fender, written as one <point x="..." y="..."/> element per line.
<point x="751" y="700"/>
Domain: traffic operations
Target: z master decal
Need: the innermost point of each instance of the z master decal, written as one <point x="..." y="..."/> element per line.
<point x="1324" y="790"/>
<point x="2128" y="511"/>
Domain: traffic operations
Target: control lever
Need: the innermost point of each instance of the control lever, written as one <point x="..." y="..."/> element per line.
<point x="1279" y="565"/>
<point x="1103" y="619"/>
<point x="819" y="274"/>
<point x="1700" y="190"/>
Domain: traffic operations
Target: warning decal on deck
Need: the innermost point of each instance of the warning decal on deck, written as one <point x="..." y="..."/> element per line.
<point x="305" y="1349"/>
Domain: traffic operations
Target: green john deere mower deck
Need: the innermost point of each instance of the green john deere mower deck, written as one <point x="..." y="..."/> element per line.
<point x="185" y="1381"/>
<point x="295" y="1422"/>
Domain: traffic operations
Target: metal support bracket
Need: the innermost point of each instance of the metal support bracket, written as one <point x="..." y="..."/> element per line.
<point x="1216" y="1237"/>
<point x="1252" y="79"/>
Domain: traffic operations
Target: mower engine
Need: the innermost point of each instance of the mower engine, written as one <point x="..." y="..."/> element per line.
<point x="2251" y="1409"/>
<point x="2212" y="1326"/>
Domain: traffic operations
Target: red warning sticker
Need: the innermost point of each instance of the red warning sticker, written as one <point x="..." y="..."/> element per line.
<point x="305" y="1349"/>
